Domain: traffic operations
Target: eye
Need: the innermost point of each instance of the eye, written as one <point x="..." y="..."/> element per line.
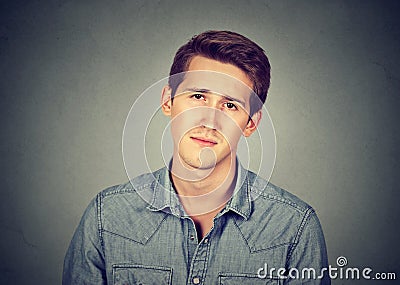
<point x="197" y="96"/>
<point x="230" y="106"/>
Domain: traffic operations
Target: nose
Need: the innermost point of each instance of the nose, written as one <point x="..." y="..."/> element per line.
<point x="210" y="117"/>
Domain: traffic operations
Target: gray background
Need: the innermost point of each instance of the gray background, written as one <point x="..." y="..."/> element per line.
<point x="70" y="71"/>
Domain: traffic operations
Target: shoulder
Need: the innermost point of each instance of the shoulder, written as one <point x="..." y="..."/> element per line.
<point x="135" y="194"/>
<point x="267" y="193"/>
<point x="122" y="209"/>
<point x="138" y="183"/>
<point x="138" y="188"/>
<point x="277" y="216"/>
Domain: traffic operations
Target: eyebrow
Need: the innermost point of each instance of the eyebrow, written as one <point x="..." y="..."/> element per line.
<point x="203" y="90"/>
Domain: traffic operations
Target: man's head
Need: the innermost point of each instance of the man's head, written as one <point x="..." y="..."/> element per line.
<point x="225" y="47"/>
<point x="218" y="81"/>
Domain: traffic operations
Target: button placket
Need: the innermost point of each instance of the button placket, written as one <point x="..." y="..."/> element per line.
<point x="199" y="262"/>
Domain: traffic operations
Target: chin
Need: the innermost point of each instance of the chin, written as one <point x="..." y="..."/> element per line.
<point x="195" y="163"/>
<point x="205" y="166"/>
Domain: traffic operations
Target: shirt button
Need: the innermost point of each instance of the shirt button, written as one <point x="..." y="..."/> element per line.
<point x="206" y="240"/>
<point x="191" y="237"/>
<point x="196" y="280"/>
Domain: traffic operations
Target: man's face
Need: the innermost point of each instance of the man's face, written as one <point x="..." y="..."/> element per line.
<point x="209" y="113"/>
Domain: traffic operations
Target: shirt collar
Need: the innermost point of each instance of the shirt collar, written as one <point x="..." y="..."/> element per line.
<point x="165" y="198"/>
<point x="240" y="201"/>
<point x="164" y="195"/>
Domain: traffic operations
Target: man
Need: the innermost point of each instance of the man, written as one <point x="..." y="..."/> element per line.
<point x="203" y="219"/>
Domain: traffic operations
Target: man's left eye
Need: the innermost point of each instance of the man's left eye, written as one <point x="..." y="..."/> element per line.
<point x="230" y="105"/>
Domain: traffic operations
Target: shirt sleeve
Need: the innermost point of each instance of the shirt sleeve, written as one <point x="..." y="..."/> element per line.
<point x="308" y="260"/>
<point x="84" y="260"/>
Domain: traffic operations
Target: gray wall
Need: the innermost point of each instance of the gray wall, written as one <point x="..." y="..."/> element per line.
<point x="70" y="70"/>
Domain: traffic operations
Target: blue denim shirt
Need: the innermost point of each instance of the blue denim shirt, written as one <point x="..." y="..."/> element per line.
<point x="122" y="239"/>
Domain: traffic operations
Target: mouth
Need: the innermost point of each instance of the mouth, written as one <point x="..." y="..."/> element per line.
<point x="204" y="141"/>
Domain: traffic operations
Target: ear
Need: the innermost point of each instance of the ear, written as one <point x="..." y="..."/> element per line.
<point x="166" y="100"/>
<point x="252" y="124"/>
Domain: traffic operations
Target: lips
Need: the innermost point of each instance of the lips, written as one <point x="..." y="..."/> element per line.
<point x="204" y="141"/>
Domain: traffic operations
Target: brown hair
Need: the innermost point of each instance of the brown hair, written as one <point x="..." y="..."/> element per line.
<point x="226" y="47"/>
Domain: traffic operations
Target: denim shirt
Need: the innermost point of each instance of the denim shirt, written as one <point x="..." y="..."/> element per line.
<point x="122" y="239"/>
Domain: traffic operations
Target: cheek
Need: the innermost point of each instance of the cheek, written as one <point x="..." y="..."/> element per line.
<point x="232" y="134"/>
<point x="181" y="123"/>
<point x="232" y="131"/>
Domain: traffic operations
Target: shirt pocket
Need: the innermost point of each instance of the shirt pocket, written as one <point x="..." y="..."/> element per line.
<point x="132" y="274"/>
<point x="246" y="279"/>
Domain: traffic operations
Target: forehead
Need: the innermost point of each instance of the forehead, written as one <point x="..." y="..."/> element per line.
<point x="203" y="63"/>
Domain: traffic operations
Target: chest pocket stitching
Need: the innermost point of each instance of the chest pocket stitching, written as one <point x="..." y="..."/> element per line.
<point x="130" y="273"/>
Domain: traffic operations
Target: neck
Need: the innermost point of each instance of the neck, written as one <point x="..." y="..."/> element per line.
<point x="204" y="190"/>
